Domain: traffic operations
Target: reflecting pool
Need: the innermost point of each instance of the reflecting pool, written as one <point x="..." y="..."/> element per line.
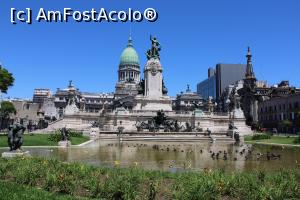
<point x="177" y="156"/>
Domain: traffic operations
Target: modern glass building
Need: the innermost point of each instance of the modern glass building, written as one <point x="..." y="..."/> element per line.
<point x="227" y="74"/>
<point x="207" y="88"/>
<point x="219" y="79"/>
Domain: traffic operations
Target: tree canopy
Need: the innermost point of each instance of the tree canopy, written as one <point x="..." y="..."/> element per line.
<point x="6" y="109"/>
<point x="6" y="79"/>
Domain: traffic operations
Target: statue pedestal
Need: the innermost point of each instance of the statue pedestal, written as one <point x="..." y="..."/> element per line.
<point x="66" y="143"/>
<point x="12" y="154"/>
<point x="153" y="104"/>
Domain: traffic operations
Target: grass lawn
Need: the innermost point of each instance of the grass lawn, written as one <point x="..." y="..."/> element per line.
<point x="50" y="178"/>
<point x="274" y="139"/>
<point x="14" y="191"/>
<point x="41" y="140"/>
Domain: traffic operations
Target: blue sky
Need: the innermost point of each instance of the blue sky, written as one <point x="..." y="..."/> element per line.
<point x="194" y="35"/>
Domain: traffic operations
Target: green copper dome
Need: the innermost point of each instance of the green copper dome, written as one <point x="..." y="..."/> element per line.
<point x="129" y="55"/>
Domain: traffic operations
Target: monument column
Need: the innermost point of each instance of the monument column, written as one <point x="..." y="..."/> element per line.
<point x="153" y="98"/>
<point x="153" y="78"/>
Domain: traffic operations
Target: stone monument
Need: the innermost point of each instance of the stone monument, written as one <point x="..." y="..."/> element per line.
<point x="154" y="98"/>
<point x="15" y="141"/>
<point x="65" y="138"/>
<point x="237" y="117"/>
<point x="71" y="108"/>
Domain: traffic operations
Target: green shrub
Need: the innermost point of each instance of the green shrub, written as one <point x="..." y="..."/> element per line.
<point x="74" y="133"/>
<point x="56" y="136"/>
<point x="261" y="137"/>
<point x="297" y="140"/>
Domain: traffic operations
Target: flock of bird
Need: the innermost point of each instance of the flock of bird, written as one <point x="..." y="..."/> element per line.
<point x="243" y="152"/>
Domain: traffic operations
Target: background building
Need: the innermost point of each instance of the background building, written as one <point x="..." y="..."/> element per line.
<point x="40" y="95"/>
<point x="187" y="101"/>
<point x="227" y="74"/>
<point x="85" y="101"/>
<point x="254" y="93"/>
<point x="207" y="88"/>
<point x="219" y="79"/>
<point x="128" y="73"/>
<point x="27" y="112"/>
<point x="281" y="113"/>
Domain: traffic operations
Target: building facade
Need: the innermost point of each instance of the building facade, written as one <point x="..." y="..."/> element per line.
<point x="207" y="88"/>
<point x="128" y="73"/>
<point x="281" y="113"/>
<point x="85" y="101"/>
<point x="227" y="74"/>
<point x="187" y="101"/>
<point x="27" y="112"/>
<point x="219" y="79"/>
<point x="40" y="95"/>
<point x="254" y="93"/>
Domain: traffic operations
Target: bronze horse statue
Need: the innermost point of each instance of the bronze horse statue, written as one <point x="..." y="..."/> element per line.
<point x="15" y="136"/>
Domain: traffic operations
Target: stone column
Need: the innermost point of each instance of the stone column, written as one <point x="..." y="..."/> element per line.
<point x="153" y="78"/>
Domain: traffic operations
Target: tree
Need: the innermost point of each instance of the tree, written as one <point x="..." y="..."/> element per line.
<point x="286" y="124"/>
<point x="6" y="109"/>
<point x="6" y="80"/>
<point x="298" y="120"/>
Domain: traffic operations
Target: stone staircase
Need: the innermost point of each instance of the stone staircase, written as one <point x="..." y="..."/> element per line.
<point x="71" y="123"/>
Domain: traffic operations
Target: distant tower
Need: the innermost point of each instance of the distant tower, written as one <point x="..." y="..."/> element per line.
<point x="250" y="79"/>
<point x="249" y="98"/>
<point x="128" y="73"/>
